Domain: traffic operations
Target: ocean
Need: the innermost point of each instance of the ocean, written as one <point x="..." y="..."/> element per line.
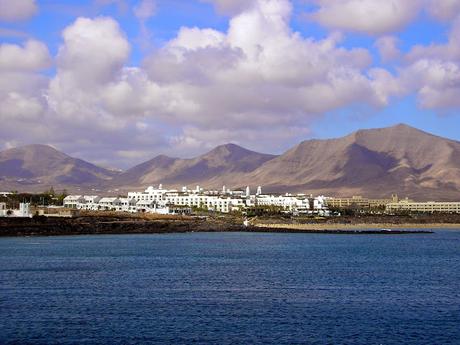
<point x="231" y="288"/>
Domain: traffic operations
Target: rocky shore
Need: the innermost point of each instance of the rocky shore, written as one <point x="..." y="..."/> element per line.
<point x="107" y="225"/>
<point x="91" y="225"/>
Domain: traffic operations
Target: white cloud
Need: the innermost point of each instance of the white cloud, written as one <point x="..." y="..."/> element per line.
<point x="257" y="84"/>
<point x="374" y="17"/>
<point x="433" y="72"/>
<point x="17" y="106"/>
<point x="449" y="51"/>
<point x="231" y="7"/>
<point x="92" y="56"/>
<point x="21" y="84"/>
<point x="17" y="10"/>
<point x="377" y="17"/>
<point x="94" y="50"/>
<point x="259" y="77"/>
<point x="444" y="9"/>
<point x="145" y="9"/>
<point x="388" y="48"/>
<point x="34" y="55"/>
<point x="96" y="99"/>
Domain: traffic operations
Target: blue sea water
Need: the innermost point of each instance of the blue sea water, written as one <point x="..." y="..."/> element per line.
<point x="231" y="288"/>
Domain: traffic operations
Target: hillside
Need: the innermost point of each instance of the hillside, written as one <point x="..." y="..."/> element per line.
<point x="374" y="163"/>
<point x="213" y="169"/>
<point x="37" y="167"/>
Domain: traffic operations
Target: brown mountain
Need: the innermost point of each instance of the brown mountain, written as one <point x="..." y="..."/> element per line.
<point x="375" y="163"/>
<point x="37" y="167"/>
<point x="213" y="169"/>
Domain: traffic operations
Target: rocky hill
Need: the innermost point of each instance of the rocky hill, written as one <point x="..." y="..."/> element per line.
<point x="374" y="163"/>
<point x="35" y="168"/>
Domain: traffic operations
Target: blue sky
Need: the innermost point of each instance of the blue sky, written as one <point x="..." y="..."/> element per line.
<point x="117" y="82"/>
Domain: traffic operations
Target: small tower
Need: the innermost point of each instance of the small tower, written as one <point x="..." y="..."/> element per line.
<point x="248" y="191"/>
<point x="259" y="190"/>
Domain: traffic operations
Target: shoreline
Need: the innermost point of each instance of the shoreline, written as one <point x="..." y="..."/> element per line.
<point x="11" y="227"/>
<point x="361" y="226"/>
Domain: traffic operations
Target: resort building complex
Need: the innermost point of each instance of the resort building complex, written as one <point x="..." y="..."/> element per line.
<point x="185" y="201"/>
<point x="359" y="202"/>
<point x="167" y="201"/>
<point x="423" y="207"/>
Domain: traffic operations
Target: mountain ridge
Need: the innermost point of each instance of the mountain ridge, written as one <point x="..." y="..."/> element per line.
<point x="371" y="162"/>
<point x="38" y="167"/>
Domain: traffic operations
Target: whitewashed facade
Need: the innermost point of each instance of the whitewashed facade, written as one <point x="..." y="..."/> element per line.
<point x="159" y="200"/>
<point x="3" y="209"/>
<point x="423" y="207"/>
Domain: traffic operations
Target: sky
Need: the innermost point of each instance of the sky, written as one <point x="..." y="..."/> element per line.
<point x="117" y="82"/>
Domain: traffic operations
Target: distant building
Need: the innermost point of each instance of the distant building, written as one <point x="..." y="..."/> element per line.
<point x="164" y="201"/>
<point x="72" y="201"/>
<point x="423" y="207"/>
<point x="3" y="209"/>
<point x="358" y="202"/>
<point x="23" y="211"/>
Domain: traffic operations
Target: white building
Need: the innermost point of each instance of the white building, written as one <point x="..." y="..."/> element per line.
<point x="110" y="204"/>
<point x="299" y="204"/>
<point x="127" y="205"/>
<point x="159" y="200"/>
<point x="150" y="194"/>
<point x="23" y="212"/>
<point x="73" y="201"/>
<point x="423" y="207"/>
<point x="3" y="209"/>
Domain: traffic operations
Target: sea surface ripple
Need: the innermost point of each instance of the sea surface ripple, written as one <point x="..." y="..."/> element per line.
<point x="231" y="288"/>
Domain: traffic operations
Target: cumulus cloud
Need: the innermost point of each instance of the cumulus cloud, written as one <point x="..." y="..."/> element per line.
<point x="34" y="55"/>
<point x="17" y="10"/>
<point x="21" y="83"/>
<point x="96" y="98"/>
<point x="259" y="76"/>
<point x="444" y="9"/>
<point x="374" y="17"/>
<point x="99" y="41"/>
<point x="18" y="106"/>
<point x="433" y="72"/>
<point x="231" y="7"/>
<point x="92" y="56"/>
<point x="388" y="48"/>
<point x="145" y="9"/>
<point x="258" y="84"/>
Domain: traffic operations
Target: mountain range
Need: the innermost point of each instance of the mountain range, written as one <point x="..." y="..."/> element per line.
<point x="373" y="163"/>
